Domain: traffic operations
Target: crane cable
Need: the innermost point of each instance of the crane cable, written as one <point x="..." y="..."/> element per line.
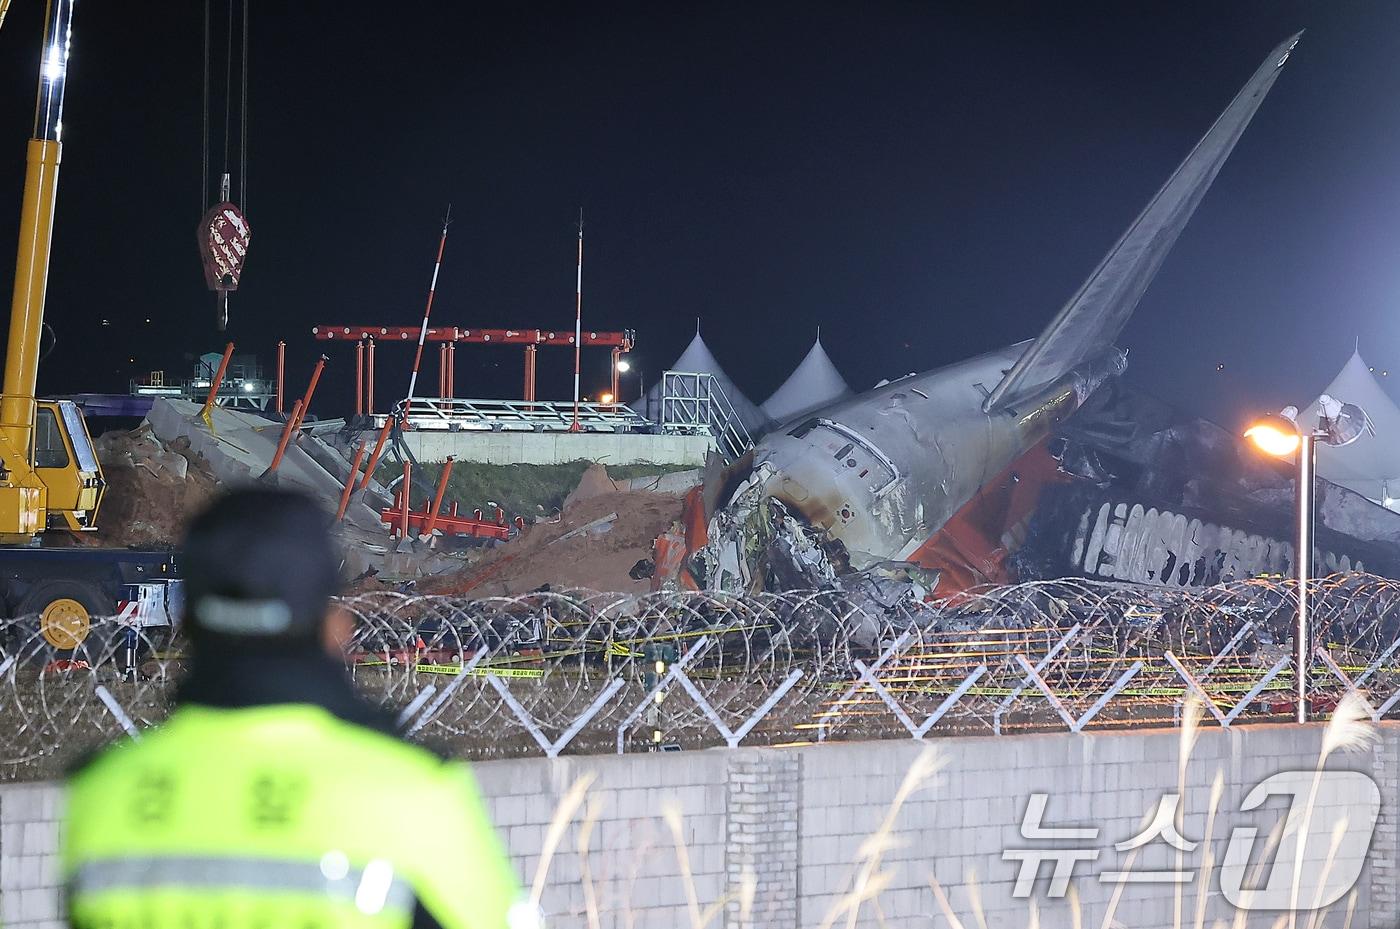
<point x="228" y="84"/>
<point x="205" y="190"/>
<point x="204" y="164"/>
<point x="243" y="119"/>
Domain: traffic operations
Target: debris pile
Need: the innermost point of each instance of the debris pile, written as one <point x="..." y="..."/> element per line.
<point x="163" y="472"/>
<point x="597" y="540"/>
<point x="153" y="487"/>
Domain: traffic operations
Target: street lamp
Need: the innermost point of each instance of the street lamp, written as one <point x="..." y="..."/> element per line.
<point x="1279" y="435"/>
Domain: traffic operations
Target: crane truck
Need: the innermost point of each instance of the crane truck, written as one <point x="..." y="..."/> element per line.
<point x="50" y="478"/>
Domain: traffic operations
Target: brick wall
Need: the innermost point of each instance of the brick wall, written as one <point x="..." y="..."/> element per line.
<point x="957" y="827"/>
<point x="791" y="824"/>
<point x="632" y="855"/>
<point x="762" y="837"/>
<point x="1385" y="848"/>
<point x="29" y="872"/>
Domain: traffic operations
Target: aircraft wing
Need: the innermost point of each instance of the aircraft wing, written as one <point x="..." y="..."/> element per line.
<point x="1095" y="316"/>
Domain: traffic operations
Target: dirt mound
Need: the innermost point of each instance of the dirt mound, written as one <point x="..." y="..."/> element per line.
<point x="593" y="545"/>
<point x="594" y="483"/>
<point x="152" y="489"/>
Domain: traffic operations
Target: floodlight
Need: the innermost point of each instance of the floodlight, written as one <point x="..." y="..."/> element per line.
<point x="1342" y="423"/>
<point x="1274" y="435"/>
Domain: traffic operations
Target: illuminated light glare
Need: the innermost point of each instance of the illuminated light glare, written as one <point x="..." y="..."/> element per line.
<point x="624" y="365"/>
<point x="373" y="890"/>
<point x="524" y="915"/>
<point x="606" y="398"/>
<point x="1273" y="440"/>
<point x="249" y="387"/>
<point x="54" y="63"/>
<point x="335" y="866"/>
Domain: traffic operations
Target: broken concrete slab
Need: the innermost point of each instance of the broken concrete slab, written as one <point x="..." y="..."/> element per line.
<point x="596" y="527"/>
<point x="674" y="482"/>
<point x="240" y="447"/>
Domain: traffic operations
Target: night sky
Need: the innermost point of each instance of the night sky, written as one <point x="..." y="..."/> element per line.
<point x="924" y="181"/>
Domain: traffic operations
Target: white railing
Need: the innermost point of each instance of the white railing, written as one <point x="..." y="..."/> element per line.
<point x="452" y="414"/>
<point x="695" y="404"/>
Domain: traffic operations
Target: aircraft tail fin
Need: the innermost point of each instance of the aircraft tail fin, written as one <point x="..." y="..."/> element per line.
<point x="1095" y="316"/>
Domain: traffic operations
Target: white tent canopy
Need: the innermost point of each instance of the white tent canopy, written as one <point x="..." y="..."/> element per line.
<point x="697" y="359"/>
<point x="1371" y="464"/>
<point x="814" y="383"/>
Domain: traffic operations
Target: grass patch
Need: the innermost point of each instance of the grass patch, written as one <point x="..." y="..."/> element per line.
<point x="519" y="489"/>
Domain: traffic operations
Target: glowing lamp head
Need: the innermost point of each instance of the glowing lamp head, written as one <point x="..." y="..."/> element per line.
<point x="606" y="398"/>
<point x="624" y="365"/>
<point x="1274" y="435"/>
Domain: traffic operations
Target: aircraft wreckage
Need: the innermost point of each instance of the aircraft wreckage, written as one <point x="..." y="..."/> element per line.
<point x="862" y="495"/>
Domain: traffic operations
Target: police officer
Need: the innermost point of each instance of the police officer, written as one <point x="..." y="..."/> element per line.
<point x="274" y="797"/>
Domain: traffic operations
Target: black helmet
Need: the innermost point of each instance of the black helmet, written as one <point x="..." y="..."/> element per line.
<point x="259" y="567"/>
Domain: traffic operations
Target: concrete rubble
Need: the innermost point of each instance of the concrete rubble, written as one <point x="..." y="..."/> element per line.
<point x="239" y="448"/>
<point x="175" y="462"/>
<point x="166" y="469"/>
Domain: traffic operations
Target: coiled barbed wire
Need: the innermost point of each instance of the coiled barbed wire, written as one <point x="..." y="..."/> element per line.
<point x="507" y="676"/>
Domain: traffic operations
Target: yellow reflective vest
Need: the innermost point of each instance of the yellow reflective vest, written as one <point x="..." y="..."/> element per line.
<point x="280" y="816"/>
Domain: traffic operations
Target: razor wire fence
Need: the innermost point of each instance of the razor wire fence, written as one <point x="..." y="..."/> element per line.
<point x="588" y="672"/>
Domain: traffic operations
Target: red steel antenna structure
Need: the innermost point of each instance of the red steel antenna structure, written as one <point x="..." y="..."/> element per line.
<point x="427" y="311"/>
<point x="578" y="321"/>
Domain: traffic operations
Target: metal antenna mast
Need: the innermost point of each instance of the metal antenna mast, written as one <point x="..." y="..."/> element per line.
<point x="427" y="311"/>
<point x="578" y="320"/>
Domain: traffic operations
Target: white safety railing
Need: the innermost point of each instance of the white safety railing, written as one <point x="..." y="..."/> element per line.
<point x="454" y="414"/>
<point x="696" y="404"/>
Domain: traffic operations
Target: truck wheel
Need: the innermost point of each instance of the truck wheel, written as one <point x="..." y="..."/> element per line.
<point x="64" y="610"/>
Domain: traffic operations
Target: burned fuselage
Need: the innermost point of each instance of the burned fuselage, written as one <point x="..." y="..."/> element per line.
<point x="878" y="473"/>
<point x="867" y="480"/>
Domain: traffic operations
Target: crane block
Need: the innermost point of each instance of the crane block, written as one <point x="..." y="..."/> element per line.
<point x="223" y="236"/>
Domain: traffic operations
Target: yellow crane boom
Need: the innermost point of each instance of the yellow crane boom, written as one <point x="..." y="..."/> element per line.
<point x="47" y="467"/>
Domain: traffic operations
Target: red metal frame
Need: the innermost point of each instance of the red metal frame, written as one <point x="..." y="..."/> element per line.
<point x="378" y="451"/>
<point x="449" y="337"/>
<point x="350" y="483"/>
<point x="369" y="378"/>
<point x="287" y="428"/>
<point x="421" y="522"/>
<point x="616" y="376"/>
<point x="471" y="336"/>
<point x="530" y="352"/>
<point x="298" y="414"/>
<point x="437" y="498"/>
<point x="359" y="378"/>
<point x="281" y="372"/>
<point x="405" y="491"/>
<point x="218" y="379"/>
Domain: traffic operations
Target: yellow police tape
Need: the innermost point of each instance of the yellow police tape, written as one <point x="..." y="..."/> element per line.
<point x="479" y="671"/>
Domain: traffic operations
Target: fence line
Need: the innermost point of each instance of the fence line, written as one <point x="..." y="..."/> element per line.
<point x="596" y="672"/>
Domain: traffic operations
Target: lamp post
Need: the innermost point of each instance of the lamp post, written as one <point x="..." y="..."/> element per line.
<point x="1279" y="435"/>
<point x="622" y="366"/>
